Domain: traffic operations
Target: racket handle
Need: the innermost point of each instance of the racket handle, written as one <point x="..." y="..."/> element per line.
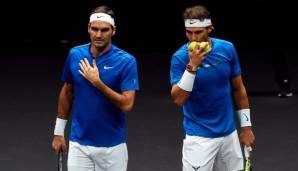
<point x="247" y="150"/>
<point x="60" y="160"/>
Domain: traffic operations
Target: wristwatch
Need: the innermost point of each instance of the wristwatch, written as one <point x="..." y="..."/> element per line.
<point x="191" y="69"/>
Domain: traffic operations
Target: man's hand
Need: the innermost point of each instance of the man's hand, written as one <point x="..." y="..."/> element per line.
<point x="89" y="72"/>
<point x="196" y="56"/>
<point x="246" y="136"/>
<point x="59" y="144"/>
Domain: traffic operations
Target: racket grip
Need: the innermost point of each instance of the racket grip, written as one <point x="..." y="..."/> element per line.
<point x="60" y="160"/>
<point x="247" y="150"/>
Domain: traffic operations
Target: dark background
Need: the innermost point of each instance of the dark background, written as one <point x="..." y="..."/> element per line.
<point x="36" y="37"/>
<point x="145" y="26"/>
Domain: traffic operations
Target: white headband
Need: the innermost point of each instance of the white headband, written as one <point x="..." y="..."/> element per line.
<point x="102" y="17"/>
<point x="197" y="23"/>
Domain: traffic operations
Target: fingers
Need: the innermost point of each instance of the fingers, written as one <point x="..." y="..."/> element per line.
<point x="198" y="52"/>
<point x="84" y="66"/>
<point x="197" y="47"/>
<point x="196" y="56"/>
<point x="84" y="75"/>
<point x="83" y="69"/>
<point x="59" y="144"/>
<point x="203" y="53"/>
<point x="94" y="63"/>
<point x="61" y="147"/>
<point x="247" y="142"/>
<point x="87" y="63"/>
<point x="58" y="148"/>
<point x="64" y="148"/>
<point x="88" y="71"/>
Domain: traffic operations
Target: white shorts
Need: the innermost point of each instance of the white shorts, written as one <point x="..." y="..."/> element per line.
<point x="89" y="158"/>
<point x="212" y="154"/>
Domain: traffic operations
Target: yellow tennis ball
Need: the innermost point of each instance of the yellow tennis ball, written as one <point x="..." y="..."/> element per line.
<point x="205" y="46"/>
<point x="192" y="45"/>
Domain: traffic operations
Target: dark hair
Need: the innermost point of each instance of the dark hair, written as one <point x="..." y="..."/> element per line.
<point x="104" y="9"/>
<point x="196" y="12"/>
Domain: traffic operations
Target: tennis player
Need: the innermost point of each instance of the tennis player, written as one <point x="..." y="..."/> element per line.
<point x="209" y="87"/>
<point x="99" y="87"/>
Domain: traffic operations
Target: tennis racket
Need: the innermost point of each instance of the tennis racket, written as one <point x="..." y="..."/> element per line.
<point x="60" y="160"/>
<point x="247" y="154"/>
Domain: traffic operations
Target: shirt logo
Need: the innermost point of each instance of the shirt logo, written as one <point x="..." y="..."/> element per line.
<point x="246" y="117"/>
<point x="107" y="67"/>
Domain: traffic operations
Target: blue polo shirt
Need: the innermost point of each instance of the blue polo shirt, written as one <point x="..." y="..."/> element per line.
<point x="209" y="110"/>
<point x="95" y="120"/>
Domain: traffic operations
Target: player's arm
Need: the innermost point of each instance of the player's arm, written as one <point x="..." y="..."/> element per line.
<point x="239" y="93"/>
<point x="64" y="107"/>
<point x="181" y="91"/>
<point x="65" y="101"/>
<point x="243" y="111"/>
<point x="123" y="100"/>
<point x="179" y="95"/>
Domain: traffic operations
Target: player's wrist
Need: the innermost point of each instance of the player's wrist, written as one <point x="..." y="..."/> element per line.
<point x="194" y="65"/>
<point x="191" y="68"/>
<point x="60" y="127"/>
<point x="244" y="118"/>
<point x="187" y="81"/>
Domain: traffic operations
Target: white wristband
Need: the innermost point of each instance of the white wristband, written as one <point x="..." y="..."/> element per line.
<point x="60" y="126"/>
<point x="187" y="81"/>
<point x="244" y="117"/>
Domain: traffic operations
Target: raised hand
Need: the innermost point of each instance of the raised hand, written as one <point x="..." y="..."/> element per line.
<point x="197" y="55"/>
<point x="89" y="72"/>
